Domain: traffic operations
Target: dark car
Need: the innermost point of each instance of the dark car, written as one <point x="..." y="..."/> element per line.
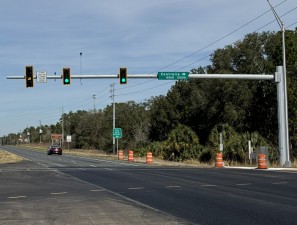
<point x="54" y="149"/>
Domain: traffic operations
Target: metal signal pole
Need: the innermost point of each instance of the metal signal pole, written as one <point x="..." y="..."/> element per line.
<point x="113" y="116"/>
<point x="285" y="162"/>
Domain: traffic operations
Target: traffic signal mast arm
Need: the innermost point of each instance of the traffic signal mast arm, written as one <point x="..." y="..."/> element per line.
<point x="154" y="76"/>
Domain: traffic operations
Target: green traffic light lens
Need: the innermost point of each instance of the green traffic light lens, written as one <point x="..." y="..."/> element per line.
<point x="123" y="80"/>
<point x="66" y="80"/>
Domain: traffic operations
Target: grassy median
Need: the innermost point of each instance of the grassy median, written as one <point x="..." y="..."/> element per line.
<point x="6" y="157"/>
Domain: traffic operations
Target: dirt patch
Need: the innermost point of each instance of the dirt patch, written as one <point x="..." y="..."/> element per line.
<point x="6" y="157"/>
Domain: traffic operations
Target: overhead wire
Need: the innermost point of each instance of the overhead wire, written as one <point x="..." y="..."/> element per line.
<point x="190" y="55"/>
<point x="267" y="24"/>
<point x="205" y="47"/>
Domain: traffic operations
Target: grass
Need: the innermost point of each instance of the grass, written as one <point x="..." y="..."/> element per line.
<point x="6" y="157"/>
<point x="103" y="155"/>
<point x="156" y="161"/>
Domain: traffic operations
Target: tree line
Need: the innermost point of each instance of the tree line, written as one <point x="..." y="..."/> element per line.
<point x="186" y="122"/>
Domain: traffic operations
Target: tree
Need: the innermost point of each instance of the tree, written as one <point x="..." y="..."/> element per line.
<point x="182" y="143"/>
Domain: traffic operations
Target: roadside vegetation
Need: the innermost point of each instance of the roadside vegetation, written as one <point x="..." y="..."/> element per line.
<point x="7" y="157"/>
<point x="184" y="125"/>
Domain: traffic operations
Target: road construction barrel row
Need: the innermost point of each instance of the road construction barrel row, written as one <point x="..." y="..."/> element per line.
<point x="219" y="163"/>
<point x="149" y="156"/>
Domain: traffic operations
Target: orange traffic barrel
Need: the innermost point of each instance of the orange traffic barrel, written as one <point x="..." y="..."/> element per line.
<point x="121" y="155"/>
<point x="219" y="160"/>
<point x="149" y="158"/>
<point x="130" y="156"/>
<point x="262" y="161"/>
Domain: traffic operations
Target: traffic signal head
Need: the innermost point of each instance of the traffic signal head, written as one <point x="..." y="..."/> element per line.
<point x="29" y="76"/>
<point x="123" y="75"/>
<point x="66" y="76"/>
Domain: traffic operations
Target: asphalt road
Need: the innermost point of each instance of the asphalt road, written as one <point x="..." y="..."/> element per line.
<point x="76" y="190"/>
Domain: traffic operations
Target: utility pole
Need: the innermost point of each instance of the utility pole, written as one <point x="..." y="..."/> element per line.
<point x="113" y="116"/>
<point x="40" y="131"/>
<point x="94" y="97"/>
<point x="285" y="161"/>
<point x="62" y="126"/>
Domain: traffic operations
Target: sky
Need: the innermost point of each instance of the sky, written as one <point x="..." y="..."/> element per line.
<point x="100" y="36"/>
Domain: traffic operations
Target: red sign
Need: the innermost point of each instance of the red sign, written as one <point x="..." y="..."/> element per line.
<point x="56" y="136"/>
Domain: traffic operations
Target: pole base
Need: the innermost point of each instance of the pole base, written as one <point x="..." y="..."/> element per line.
<point x="288" y="164"/>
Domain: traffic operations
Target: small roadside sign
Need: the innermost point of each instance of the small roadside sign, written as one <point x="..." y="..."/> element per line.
<point x="68" y="138"/>
<point x="117" y="132"/>
<point x="41" y="76"/>
<point x="173" y="75"/>
<point x="56" y="136"/>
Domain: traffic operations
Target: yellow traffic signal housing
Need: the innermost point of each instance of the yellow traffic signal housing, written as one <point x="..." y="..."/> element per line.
<point x="123" y="75"/>
<point x="29" y="76"/>
<point x="66" y="76"/>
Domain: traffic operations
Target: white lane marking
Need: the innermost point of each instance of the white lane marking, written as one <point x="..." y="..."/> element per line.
<point x="135" y="188"/>
<point x="93" y="166"/>
<point x="246" y="184"/>
<point x="57" y="164"/>
<point x="172" y="186"/>
<point x="42" y="164"/>
<point x="15" y="197"/>
<point x="108" y="169"/>
<point x="97" y="190"/>
<point x="280" y="182"/>
<point x="59" y="193"/>
<point x="208" y="185"/>
<point x="81" y="169"/>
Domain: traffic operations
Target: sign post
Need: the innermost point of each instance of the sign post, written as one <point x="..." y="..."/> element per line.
<point x="117" y="133"/>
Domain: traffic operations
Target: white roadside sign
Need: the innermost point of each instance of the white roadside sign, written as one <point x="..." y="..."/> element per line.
<point x="68" y="138"/>
<point x="41" y="76"/>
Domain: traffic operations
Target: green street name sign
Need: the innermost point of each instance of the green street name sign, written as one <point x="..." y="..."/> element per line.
<point x="117" y="132"/>
<point x="173" y="75"/>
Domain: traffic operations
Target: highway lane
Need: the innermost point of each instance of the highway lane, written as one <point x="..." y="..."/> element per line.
<point x="35" y="192"/>
<point x="66" y="161"/>
<point x="206" y="196"/>
<point x="197" y="195"/>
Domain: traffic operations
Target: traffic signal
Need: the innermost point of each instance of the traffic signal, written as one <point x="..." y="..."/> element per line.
<point x="123" y="75"/>
<point x="29" y="76"/>
<point x="66" y="76"/>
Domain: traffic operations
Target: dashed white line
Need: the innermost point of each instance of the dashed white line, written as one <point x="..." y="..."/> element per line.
<point x="57" y="164"/>
<point x="15" y="197"/>
<point x="135" y="188"/>
<point x="172" y="186"/>
<point x="208" y="185"/>
<point x="246" y="184"/>
<point x="59" y="193"/>
<point x="97" y="190"/>
<point x="280" y="182"/>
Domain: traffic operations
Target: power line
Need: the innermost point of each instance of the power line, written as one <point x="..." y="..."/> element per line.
<point x="292" y="24"/>
<point x="207" y="46"/>
<point x="242" y="38"/>
<point x="136" y="92"/>
<point x="218" y="40"/>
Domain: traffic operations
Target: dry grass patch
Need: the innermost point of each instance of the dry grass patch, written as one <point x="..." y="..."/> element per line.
<point x="6" y="157"/>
